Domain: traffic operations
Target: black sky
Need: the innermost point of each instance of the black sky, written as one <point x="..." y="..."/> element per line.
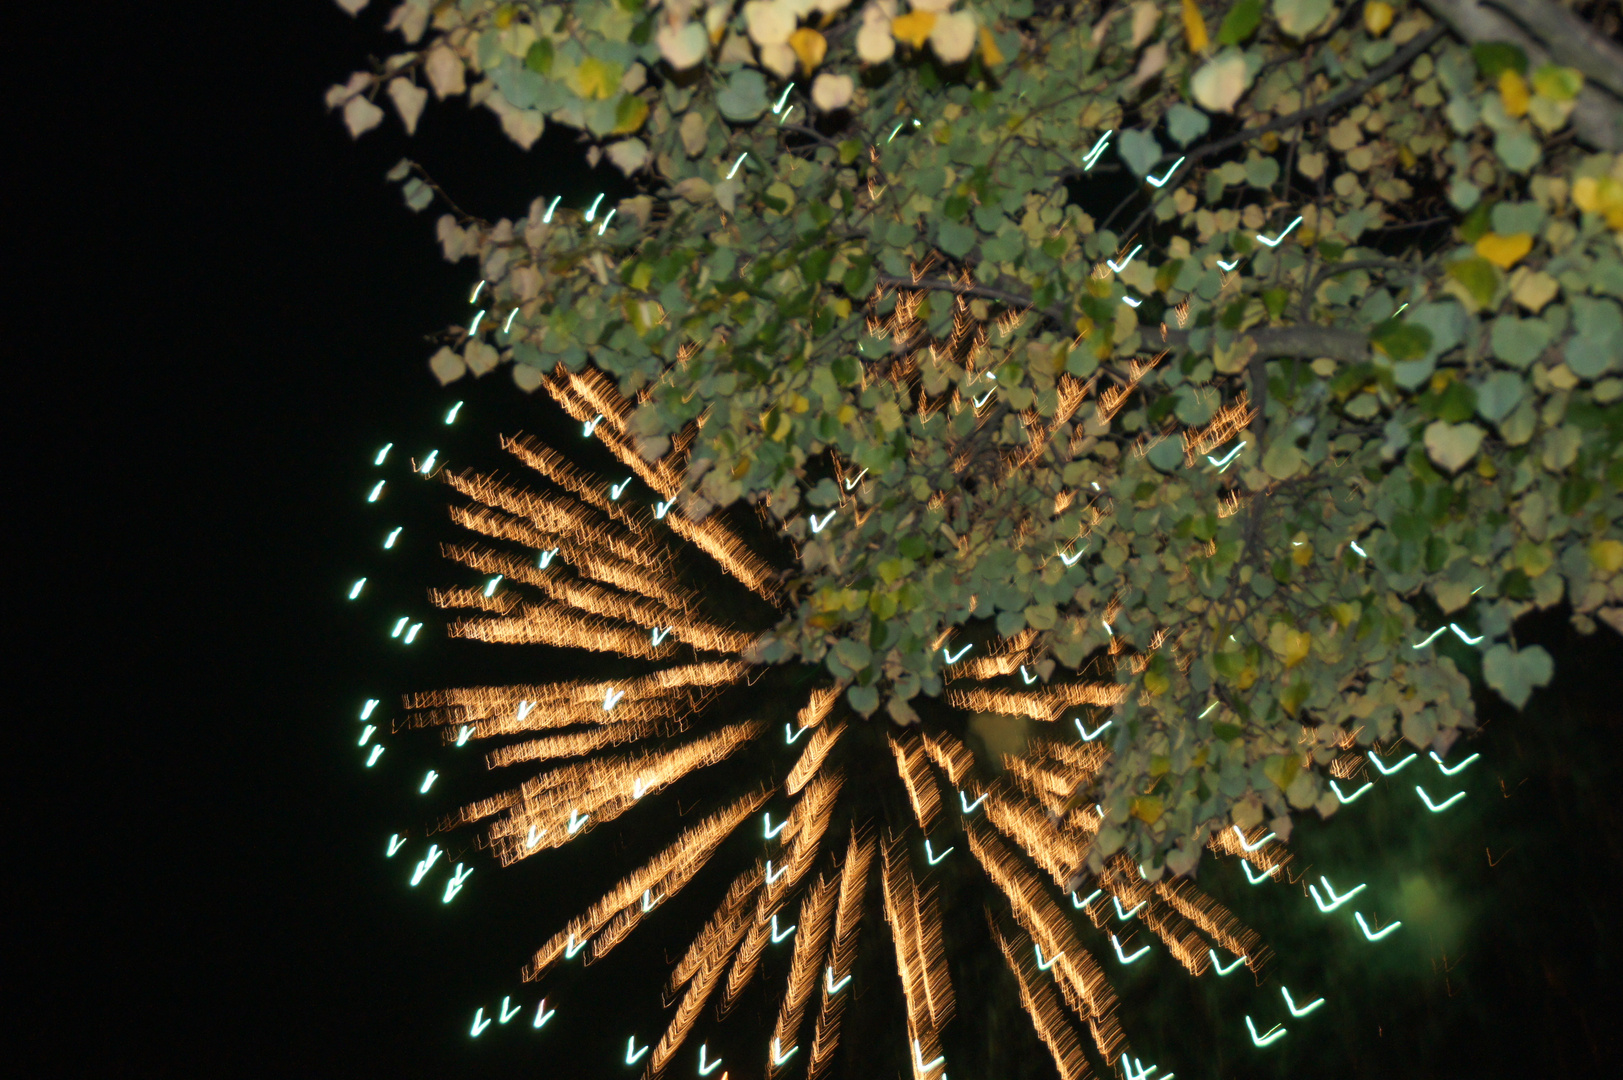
<point x="220" y="309"/>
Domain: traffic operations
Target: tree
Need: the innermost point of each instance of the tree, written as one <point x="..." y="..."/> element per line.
<point x="1260" y="363"/>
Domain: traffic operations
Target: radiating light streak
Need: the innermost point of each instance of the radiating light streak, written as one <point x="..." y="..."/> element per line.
<point x="637" y="790"/>
<point x="590" y="426"/>
<point x="849" y="484"/>
<point x="478" y="317"/>
<point x="425" y="864"/>
<point x="479" y="1022"/>
<point x="658" y="635"/>
<point x="1354" y="797"/>
<point x="396" y="842"/>
<point x="571" y="949"/>
<point x="355" y="589"/>
<point x="400" y="626"/>
<point x="1208" y="709"/>
<point x="982" y="399"/>
<point x="1070" y="560"/>
<point x="1305" y="1009"/>
<point x="616" y="490"/>
<point x="546" y="218"/>
<point x="450" y="417"/>
<point x="779" y="1058"/>
<point x="771" y="833"/>
<point x="1246" y="845"/>
<point x="1089" y="736"/>
<point x="832" y="986"/>
<point x="546" y="558"/>
<point x="606" y="219"/>
<point x="1119" y="267"/>
<point x="734" y="170"/>
<point x="377" y="490"/>
<point x="1258" y="879"/>
<point x="591" y="211"/>
<point x="1218" y="964"/>
<point x="490" y="586"/>
<point x="611" y="698"/>
<point x="428" y="462"/>
<point x="1123" y="916"/>
<point x="782" y="98"/>
<point x="372" y="758"/>
<point x="1448" y="771"/>
<point x="428" y="782"/>
<point x="507" y="327"/>
<point x="1438" y="808"/>
<point x="366" y="709"/>
<point x="660" y="510"/>
<point x="969" y="807"/>
<point x="1435" y="634"/>
<point x="542" y="1015"/>
<point x="1164" y="176"/>
<point x="1092" y="156"/>
<point x="818" y="526"/>
<point x="383" y="454"/>
<point x="1041" y="964"/>
<point x="507" y="1014"/>
<point x="1383" y="770"/>
<point x="1335" y="900"/>
<point x="1399" y="311"/>
<point x="576" y="821"/>
<point x="1231" y="264"/>
<point x="388" y="541"/>
<point x="454" y="886"/>
<point x="411" y="634"/>
<point x="1123" y="957"/>
<point x="931" y="857"/>
<point x="778" y="935"/>
<point x="1224" y="462"/>
<point x="1364" y="926"/>
<point x="1463" y="636"/>
<point x="1362" y="554"/>
<point x="1080" y="904"/>
<point x="791" y="736"/>
<point x="951" y="659"/>
<point x="705" y="1069"/>
<point x="1130" y="302"/>
<point x="648" y="900"/>
<point x="1276" y="240"/>
<point x="771" y="878"/>
<point x="1029" y="678"/>
<point x="477" y="289"/>
<point x="1275" y="1033"/>
<point x="924" y="1066"/>
<point x="462" y="735"/>
<point x="534" y="837"/>
<point x="633" y="1055"/>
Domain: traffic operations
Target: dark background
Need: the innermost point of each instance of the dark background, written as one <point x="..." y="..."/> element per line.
<point x="220" y="310"/>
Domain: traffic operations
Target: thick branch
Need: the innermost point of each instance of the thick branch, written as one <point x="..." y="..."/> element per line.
<point x="1349" y="346"/>
<point x="1570" y="40"/>
<point x="1598" y="117"/>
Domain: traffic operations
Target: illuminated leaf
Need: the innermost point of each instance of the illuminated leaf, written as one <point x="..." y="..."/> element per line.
<point x="1194" y="28"/>
<point x="1220" y="81"/>
<point x="409" y="99"/>
<point x="1452" y="445"/>
<point x="1513" y="91"/>
<point x="1516" y="673"/>
<point x="810" y="47"/>
<point x="1377" y="17"/>
<point x="1401" y="340"/>
<point x="681" y="46"/>
<point x="953" y="36"/>
<point x="831" y="92"/>
<point x="1504" y="251"/>
<point x="1558" y="83"/>
<point x="1301" y="18"/>
<point x="1479" y="278"/>
<point x="1240" y="22"/>
<point x="914" y="27"/>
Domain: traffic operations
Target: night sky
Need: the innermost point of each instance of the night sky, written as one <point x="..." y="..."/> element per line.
<point x="222" y="315"/>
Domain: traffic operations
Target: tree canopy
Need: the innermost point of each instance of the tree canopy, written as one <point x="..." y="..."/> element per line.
<point x="1235" y="374"/>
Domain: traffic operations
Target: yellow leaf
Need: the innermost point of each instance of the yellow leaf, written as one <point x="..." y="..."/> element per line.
<point x="597" y="78"/>
<point x="1146" y="808"/>
<point x="1504" y="251"/>
<point x="1156" y="683"/>
<point x="1194" y="28"/>
<point x="1288" y="644"/>
<point x="1607" y="555"/>
<point x="914" y="27"/>
<point x="1513" y="89"/>
<point x="630" y="114"/>
<point x="1377" y="17"/>
<point x="991" y="55"/>
<point x="1303" y="554"/>
<point x="810" y="47"/>
<point x="1533" y="289"/>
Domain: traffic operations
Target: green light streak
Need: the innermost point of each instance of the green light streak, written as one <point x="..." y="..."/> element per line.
<point x="1448" y="771"/>
<point x="450" y="417"/>
<point x="1364" y="926"/>
<point x="1383" y="770"/>
<point x="382" y="454"/>
<point x="355" y="589"/>
<point x="377" y="490"/>
<point x="1354" y="797"/>
<point x="1438" y="808"/>
<point x="1275" y="1033"/>
<point x="1305" y="1009"/>
<point x="1335" y="901"/>
<point x="1217" y="964"/>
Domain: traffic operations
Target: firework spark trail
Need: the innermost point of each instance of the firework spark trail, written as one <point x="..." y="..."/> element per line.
<point x="1046" y="705"/>
<point x="1229" y="422"/>
<point x="541" y="623"/>
<point x="595" y="600"/>
<point x="693" y="847"/>
<point x="1059" y="853"/>
<point x="584" y="486"/>
<point x="805" y="969"/>
<point x="575" y="744"/>
<point x="1267" y="856"/>
<point x="819" y="705"/>
<point x="1078" y="976"/>
<point x="553" y="516"/>
<point x="913" y="766"/>
<point x="916" y="934"/>
<point x="1041" y="1004"/>
<point x="1216" y="920"/>
<point x="745" y="961"/>
<point x="1005" y="659"/>
<point x="811" y="759"/>
<point x="710" y="948"/>
<point x="807" y="823"/>
<point x="949" y="754"/>
<point x="842" y="952"/>
<point x="555" y="804"/>
<point x="1122" y="880"/>
<point x="501" y="603"/>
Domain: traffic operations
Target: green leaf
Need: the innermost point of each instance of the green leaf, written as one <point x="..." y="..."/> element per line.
<point x="1598" y="340"/>
<point x="1299" y="18"/>
<point x="1240" y="22"/>
<point x="744" y="97"/>
<point x="1401" y="340"/>
<point x="1518" y="342"/>
<point x="955" y="239"/>
<point x="1140" y="150"/>
<point x="1186" y="124"/>
<point x="1518" y="149"/>
<point x="1514" y="674"/>
<point x="1479" y="276"/>
<point x="1281" y="769"/>
<point x="1283" y="460"/>
<point x="1558" y="83"/>
<point x="1493" y="58"/>
<point x="853" y="654"/>
<point x="1010" y="623"/>
<point x="1498" y="395"/>
<point x="1452" y="445"/>
<point x="539" y="58"/>
<point x="864" y="699"/>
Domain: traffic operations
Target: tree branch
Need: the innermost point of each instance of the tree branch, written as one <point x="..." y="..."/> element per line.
<point x="1571" y="40"/>
<point x="1349" y="346"/>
